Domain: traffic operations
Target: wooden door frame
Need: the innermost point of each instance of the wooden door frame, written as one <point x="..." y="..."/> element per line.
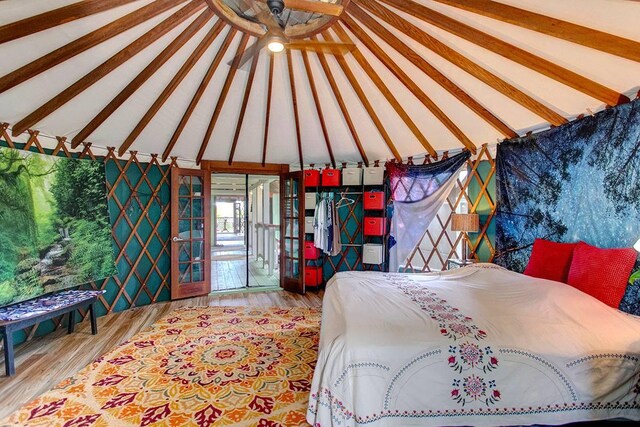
<point x="250" y="168"/>
<point x="301" y="234"/>
<point x="197" y="288"/>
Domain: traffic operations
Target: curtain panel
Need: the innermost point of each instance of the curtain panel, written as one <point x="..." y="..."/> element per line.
<point x="418" y="192"/>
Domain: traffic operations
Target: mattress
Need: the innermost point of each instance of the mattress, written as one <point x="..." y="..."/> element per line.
<point x="479" y="345"/>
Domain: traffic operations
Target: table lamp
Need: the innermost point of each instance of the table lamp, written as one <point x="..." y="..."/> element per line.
<point x="466" y="223"/>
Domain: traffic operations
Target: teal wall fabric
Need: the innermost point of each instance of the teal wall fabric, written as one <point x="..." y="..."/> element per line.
<point x="139" y="213"/>
<point x="484" y="209"/>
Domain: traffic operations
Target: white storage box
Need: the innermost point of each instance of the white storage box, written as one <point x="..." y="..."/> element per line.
<point x="372" y="253"/>
<point x="310" y="200"/>
<point x="308" y="224"/>
<point x="352" y="176"/>
<point x="374" y="175"/>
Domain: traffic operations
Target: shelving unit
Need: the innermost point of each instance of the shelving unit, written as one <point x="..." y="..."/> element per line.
<point x="352" y="233"/>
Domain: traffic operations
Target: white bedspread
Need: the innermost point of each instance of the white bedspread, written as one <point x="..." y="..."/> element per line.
<point x="475" y="346"/>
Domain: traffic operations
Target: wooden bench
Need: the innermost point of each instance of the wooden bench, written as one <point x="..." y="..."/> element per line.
<point x="22" y="315"/>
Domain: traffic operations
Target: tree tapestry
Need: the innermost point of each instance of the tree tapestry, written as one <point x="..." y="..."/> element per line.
<point x="54" y="224"/>
<point x="580" y="181"/>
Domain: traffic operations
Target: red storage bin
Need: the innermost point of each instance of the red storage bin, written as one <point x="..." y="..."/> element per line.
<point x="310" y="251"/>
<point x="311" y="178"/>
<point x="331" y="178"/>
<point x="373" y="200"/>
<point x="312" y="276"/>
<point x="374" y="226"/>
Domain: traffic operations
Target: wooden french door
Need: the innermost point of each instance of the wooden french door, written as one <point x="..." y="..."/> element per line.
<point x="190" y="232"/>
<point x="292" y="232"/>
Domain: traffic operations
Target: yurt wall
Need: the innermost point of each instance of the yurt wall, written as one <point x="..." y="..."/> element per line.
<point x="139" y="203"/>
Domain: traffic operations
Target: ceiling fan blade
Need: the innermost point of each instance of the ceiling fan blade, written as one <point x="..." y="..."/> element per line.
<point x="267" y="18"/>
<point x="323" y="47"/>
<point x="313" y="6"/>
<point x="243" y="58"/>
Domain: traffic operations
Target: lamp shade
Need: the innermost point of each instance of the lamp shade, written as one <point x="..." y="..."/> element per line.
<point x="465" y="222"/>
<point x="637" y="246"/>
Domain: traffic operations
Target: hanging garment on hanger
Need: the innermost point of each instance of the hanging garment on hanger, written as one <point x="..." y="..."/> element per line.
<point x="320" y="226"/>
<point x="336" y="247"/>
<point x="330" y="208"/>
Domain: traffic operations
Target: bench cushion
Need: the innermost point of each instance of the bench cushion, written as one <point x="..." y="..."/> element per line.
<point x="45" y="304"/>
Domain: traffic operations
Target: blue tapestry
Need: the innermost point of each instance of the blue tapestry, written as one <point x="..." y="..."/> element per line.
<point x="580" y="181"/>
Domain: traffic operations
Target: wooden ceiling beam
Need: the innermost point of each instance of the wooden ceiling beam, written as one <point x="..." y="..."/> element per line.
<point x="173" y="85"/>
<point x="432" y="72"/>
<point x="368" y="107"/>
<point x="199" y="92"/>
<point x="511" y="52"/>
<point x="382" y="87"/>
<point x="267" y="115"/>
<point x="142" y="77"/>
<point x="463" y="62"/>
<point x="106" y="67"/>
<point x="316" y="101"/>
<point x="85" y="42"/>
<point x="243" y="107"/>
<point x="53" y="18"/>
<point x="343" y="106"/>
<point x="558" y="28"/>
<point x="294" y="100"/>
<point x="408" y="82"/>
<point x="223" y="96"/>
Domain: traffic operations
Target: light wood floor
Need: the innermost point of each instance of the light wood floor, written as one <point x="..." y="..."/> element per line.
<point x="230" y="272"/>
<point x="45" y="361"/>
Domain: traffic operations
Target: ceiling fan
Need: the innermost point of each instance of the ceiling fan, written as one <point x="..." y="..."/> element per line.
<point x="268" y="12"/>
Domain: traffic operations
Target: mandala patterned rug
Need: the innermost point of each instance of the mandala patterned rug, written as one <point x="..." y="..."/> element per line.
<point x="199" y="366"/>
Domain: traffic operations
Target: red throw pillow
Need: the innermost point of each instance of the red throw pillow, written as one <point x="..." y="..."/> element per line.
<point x="550" y="260"/>
<point x="602" y="273"/>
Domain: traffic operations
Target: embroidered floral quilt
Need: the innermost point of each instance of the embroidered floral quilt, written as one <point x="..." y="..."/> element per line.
<point x="475" y="346"/>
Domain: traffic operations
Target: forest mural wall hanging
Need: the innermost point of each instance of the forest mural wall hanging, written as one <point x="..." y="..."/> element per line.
<point x="580" y="181"/>
<point x="55" y="231"/>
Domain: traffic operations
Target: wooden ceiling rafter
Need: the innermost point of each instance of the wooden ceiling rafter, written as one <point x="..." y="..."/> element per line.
<point x="510" y="51"/>
<point x="408" y="82"/>
<point x="316" y="101"/>
<point x="85" y="42"/>
<point x="243" y="108"/>
<point x="106" y="67"/>
<point x="56" y="17"/>
<point x="195" y="56"/>
<point x="223" y="95"/>
<point x="364" y="100"/>
<point x="267" y="115"/>
<point x="166" y="54"/>
<point x="384" y="89"/>
<point x="432" y="72"/>
<point x="294" y="100"/>
<point x="589" y="37"/>
<point x="464" y="63"/>
<point x="343" y="106"/>
<point x="199" y="92"/>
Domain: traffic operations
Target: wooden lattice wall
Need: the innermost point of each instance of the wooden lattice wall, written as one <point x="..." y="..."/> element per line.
<point x="478" y="191"/>
<point x="139" y="206"/>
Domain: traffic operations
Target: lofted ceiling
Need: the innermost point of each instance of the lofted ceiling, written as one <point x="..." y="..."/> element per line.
<point x="425" y="76"/>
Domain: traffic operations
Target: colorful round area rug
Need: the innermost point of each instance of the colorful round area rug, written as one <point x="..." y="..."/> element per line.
<point x="199" y="366"/>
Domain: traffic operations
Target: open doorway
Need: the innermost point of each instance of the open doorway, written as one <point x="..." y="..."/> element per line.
<point x="246" y="231"/>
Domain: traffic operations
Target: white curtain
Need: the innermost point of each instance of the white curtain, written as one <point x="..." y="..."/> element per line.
<point x="424" y="194"/>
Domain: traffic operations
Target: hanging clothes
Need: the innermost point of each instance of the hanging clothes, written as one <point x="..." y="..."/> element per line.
<point x="336" y="244"/>
<point x="320" y="225"/>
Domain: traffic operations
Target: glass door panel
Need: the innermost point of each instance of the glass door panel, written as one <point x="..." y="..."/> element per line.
<point x="189" y="230"/>
<point x="291" y="247"/>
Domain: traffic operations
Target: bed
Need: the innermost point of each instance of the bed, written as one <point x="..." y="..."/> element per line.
<point x="476" y="346"/>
